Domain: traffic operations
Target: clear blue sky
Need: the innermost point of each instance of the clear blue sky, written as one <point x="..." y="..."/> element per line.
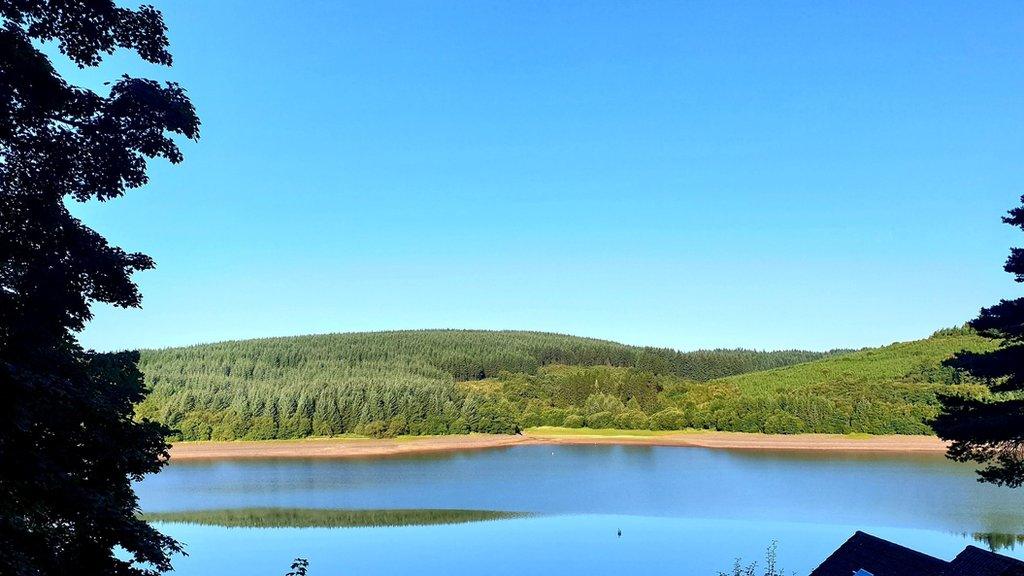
<point x="683" y="174"/>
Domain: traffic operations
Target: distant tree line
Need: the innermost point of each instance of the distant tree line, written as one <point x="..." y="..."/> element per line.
<point x="611" y="397"/>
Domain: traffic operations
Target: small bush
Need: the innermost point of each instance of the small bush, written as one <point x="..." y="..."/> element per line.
<point x="632" y="420"/>
<point x="573" y="421"/>
<point x="669" y="419"/>
<point x="601" y="420"/>
<point x="375" y="429"/>
<point x="783" y="423"/>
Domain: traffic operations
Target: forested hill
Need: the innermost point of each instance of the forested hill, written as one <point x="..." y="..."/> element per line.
<point x="886" y="390"/>
<point x="457" y="354"/>
<point x="450" y="382"/>
<point x="335" y="383"/>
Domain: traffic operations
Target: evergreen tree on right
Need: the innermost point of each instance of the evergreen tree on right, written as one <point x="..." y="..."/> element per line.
<point x="989" y="429"/>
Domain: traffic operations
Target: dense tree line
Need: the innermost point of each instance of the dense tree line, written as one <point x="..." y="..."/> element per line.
<point x="460" y="354"/>
<point x="830" y="401"/>
<point x="888" y="390"/>
<point x="448" y="382"/>
<point x="390" y="383"/>
<point x="719" y="363"/>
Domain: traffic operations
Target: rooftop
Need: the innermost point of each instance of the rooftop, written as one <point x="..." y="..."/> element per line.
<point x="864" y="553"/>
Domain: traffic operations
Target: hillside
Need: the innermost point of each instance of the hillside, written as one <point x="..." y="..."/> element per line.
<point x="887" y="390"/>
<point x="447" y="381"/>
<point x="391" y="382"/>
<point x="457" y="354"/>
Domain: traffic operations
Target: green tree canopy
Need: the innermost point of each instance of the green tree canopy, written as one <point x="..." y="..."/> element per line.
<point x="69" y="446"/>
<point x="989" y="429"/>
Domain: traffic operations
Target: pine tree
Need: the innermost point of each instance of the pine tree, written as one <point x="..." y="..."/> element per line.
<point x="989" y="429"/>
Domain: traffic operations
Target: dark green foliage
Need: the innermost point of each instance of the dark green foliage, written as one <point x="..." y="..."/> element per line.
<point x="988" y="428"/>
<point x="69" y="447"/>
<point x="890" y="390"/>
<point x="996" y="541"/>
<point x="327" y="518"/>
<point x="389" y="383"/>
<point x="669" y="419"/>
<point x="300" y="567"/>
<point x="571" y="421"/>
<point x="712" y="364"/>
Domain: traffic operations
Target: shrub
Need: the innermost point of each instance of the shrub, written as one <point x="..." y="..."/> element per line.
<point x="601" y="420"/>
<point x="783" y="423"/>
<point x="397" y="426"/>
<point x="193" y="428"/>
<point x="669" y="419"/>
<point x="532" y="420"/>
<point x="554" y="416"/>
<point x="496" y="417"/>
<point x="632" y="420"/>
<point x="573" y="421"/>
<point x="600" y="403"/>
<point x="375" y="429"/>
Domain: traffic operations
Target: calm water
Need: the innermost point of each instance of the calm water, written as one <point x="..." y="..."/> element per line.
<point x="681" y="510"/>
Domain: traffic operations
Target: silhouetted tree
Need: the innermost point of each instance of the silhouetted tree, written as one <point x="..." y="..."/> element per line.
<point x="989" y="430"/>
<point x="69" y="446"/>
<point x="299" y="567"/>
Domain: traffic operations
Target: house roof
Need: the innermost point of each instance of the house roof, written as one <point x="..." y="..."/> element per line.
<point x="881" y="558"/>
<point x="866" y="553"/>
<point x="974" y="561"/>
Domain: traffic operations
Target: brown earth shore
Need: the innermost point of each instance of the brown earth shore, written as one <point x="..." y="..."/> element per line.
<point x="364" y="448"/>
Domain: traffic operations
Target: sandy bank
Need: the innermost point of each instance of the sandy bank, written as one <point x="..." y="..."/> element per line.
<point x="359" y="447"/>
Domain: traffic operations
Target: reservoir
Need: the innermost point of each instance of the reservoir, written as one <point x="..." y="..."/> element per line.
<point x="559" y="509"/>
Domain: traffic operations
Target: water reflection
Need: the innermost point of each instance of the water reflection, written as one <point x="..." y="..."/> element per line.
<point x="996" y="541"/>
<point x="325" y="518"/>
<point x="585" y="545"/>
<point x="919" y="491"/>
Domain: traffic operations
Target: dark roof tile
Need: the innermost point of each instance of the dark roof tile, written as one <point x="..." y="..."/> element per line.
<point x="974" y="561"/>
<point x="879" y="557"/>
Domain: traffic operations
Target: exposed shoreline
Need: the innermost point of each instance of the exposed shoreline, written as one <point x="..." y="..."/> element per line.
<point x="366" y="448"/>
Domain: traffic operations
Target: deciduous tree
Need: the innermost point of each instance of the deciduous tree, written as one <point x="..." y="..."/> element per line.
<point x="69" y="445"/>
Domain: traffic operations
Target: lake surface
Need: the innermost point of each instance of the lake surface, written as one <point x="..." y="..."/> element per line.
<point x="680" y="510"/>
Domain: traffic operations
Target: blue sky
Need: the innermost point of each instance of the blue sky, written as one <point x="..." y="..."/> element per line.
<point x="683" y="174"/>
